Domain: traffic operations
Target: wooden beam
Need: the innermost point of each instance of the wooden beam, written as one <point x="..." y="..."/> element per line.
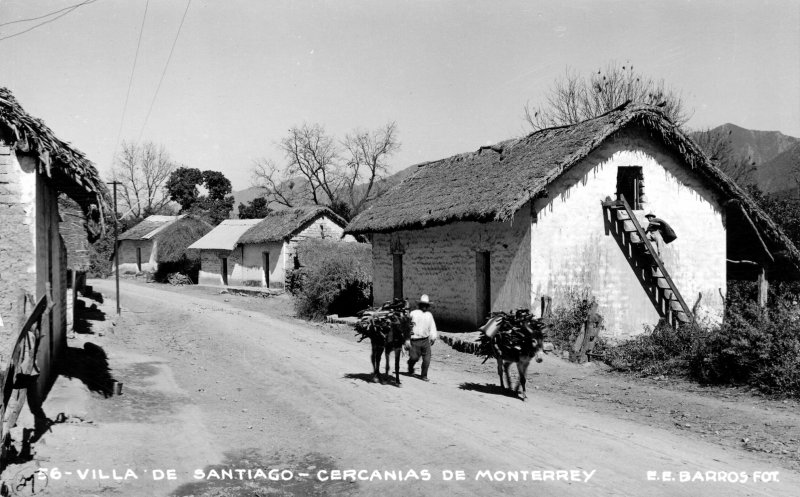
<point x="756" y="232"/>
<point x="763" y="288"/>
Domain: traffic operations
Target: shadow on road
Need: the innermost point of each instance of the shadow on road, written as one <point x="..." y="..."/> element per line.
<point x="490" y="388"/>
<point x="90" y="365"/>
<point x="369" y="378"/>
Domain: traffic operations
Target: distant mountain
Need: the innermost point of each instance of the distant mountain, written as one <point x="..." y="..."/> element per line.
<point x="782" y="172"/>
<point x="760" y="146"/>
<point x="772" y="152"/>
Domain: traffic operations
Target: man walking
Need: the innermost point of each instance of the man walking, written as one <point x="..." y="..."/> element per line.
<point x="423" y="336"/>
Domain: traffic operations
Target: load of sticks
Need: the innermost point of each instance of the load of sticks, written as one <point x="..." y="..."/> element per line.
<point x="508" y="332"/>
<point x="388" y="322"/>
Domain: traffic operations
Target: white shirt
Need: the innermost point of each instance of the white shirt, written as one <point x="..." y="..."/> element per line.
<point x="424" y="325"/>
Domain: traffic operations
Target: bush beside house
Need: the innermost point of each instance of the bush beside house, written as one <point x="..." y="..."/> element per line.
<point x="333" y="278"/>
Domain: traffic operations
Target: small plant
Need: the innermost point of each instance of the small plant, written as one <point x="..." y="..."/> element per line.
<point x="658" y="351"/>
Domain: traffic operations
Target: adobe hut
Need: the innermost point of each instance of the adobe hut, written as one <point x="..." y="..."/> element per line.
<point x="35" y="168"/>
<point x="138" y="246"/>
<point x="173" y="254"/>
<point x="220" y="258"/>
<point x="542" y="215"/>
<point x="269" y="248"/>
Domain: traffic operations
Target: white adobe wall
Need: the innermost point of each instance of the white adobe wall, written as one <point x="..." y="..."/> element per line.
<point x="211" y="267"/>
<point x="253" y="266"/>
<point x="441" y="262"/>
<point x="571" y="251"/>
<point x="127" y="256"/>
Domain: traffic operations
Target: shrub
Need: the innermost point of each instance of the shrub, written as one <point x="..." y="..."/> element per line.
<point x="566" y="321"/>
<point x="753" y="348"/>
<point x="660" y="350"/>
<point x="334" y="278"/>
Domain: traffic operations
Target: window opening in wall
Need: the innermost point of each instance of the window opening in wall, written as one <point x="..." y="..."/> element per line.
<point x="397" y="264"/>
<point x="224" y="270"/>
<point x="630" y="183"/>
<point x="483" y="286"/>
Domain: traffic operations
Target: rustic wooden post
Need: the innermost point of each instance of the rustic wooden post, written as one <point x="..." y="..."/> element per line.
<point x="587" y="337"/>
<point x="763" y="288"/>
<point x="546" y="304"/>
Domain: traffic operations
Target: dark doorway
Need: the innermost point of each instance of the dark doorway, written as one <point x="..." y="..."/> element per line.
<point x="139" y="259"/>
<point x="266" y="268"/>
<point x="224" y="261"/>
<point x="397" y="263"/>
<point x="483" y="288"/>
<point x="630" y="183"/>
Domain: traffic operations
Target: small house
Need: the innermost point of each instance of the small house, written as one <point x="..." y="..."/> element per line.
<point x="543" y="216"/>
<point x="35" y="168"/>
<point x="138" y="246"/>
<point x="221" y="257"/>
<point x="269" y="248"/>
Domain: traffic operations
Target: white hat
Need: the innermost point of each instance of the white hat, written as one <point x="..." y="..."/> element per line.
<point x="650" y="214"/>
<point x="424" y="299"/>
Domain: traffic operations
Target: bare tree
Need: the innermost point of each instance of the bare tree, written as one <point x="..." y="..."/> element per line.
<point x="717" y="145"/>
<point x="368" y="152"/>
<point x="343" y="175"/>
<point x="575" y="98"/>
<point x="142" y="169"/>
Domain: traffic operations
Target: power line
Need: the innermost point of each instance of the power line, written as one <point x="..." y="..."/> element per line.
<point x="164" y="72"/>
<point x="69" y="10"/>
<point x="45" y="15"/>
<point x="130" y="81"/>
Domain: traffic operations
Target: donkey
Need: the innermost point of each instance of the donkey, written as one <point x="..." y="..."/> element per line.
<point x="391" y="340"/>
<point x="527" y="345"/>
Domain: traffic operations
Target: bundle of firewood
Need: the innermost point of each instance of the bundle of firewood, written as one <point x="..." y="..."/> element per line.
<point x="381" y="321"/>
<point x="506" y="331"/>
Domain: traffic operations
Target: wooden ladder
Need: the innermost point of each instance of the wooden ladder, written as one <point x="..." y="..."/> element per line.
<point x="620" y="223"/>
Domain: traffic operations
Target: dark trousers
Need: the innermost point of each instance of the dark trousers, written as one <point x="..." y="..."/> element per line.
<point x="420" y="348"/>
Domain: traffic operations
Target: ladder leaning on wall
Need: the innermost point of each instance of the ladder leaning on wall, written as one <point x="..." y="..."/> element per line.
<point x="623" y="226"/>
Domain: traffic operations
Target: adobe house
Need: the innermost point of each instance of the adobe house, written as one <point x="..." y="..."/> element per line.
<point x="138" y="246"/>
<point x="220" y="258"/>
<point x="269" y="247"/>
<point x="35" y="167"/>
<point x="542" y="215"/>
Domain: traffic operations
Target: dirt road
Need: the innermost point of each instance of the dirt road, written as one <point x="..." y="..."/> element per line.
<point x="210" y="387"/>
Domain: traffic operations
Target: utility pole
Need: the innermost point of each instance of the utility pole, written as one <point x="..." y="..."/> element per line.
<point x="116" y="241"/>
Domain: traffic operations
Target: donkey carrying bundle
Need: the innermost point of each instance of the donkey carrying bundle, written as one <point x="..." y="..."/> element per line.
<point x="388" y="328"/>
<point x="514" y="337"/>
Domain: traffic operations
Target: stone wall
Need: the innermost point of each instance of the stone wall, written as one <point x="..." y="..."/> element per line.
<point x="442" y="262"/>
<point x="571" y="252"/>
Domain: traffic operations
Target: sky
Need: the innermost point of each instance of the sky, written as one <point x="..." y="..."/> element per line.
<point x="453" y="75"/>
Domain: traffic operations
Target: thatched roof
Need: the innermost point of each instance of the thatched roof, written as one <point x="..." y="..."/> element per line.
<point x="225" y="236"/>
<point x="175" y="238"/>
<point x="72" y="229"/>
<point x="148" y="228"/>
<point x="72" y="173"/>
<point x="492" y="183"/>
<point x="281" y="225"/>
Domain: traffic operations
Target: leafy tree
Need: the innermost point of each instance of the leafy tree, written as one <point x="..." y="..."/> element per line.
<point x="255" y="209"/>
<point x="575" y="98"/>
<point x="182" y="186"/>
<point x="141" y="170"/>
<point x="323" y="171"/>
